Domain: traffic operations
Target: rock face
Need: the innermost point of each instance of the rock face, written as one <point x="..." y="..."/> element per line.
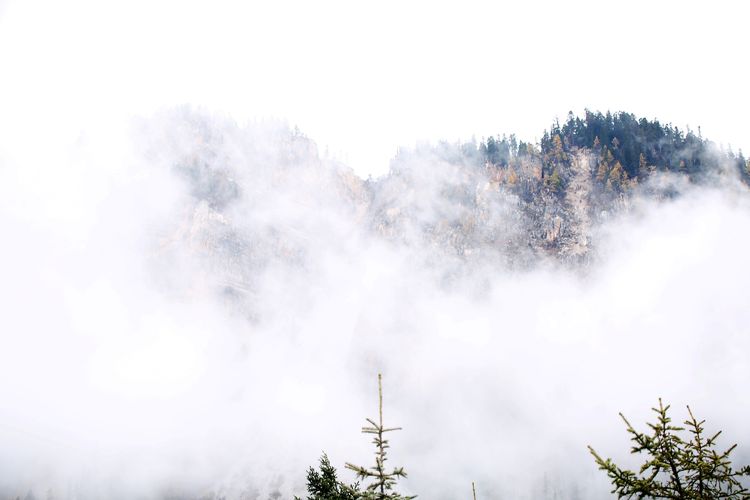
<point x="506" y="211"/>
<point x="578" y="202"/>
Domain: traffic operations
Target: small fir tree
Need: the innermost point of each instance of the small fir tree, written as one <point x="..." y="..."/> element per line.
<point x="558" y="151"/>
<point x="382" y="482"/>
<point x="553" y="182"/>
<point x="605" y="164"/>
<point x="618" y="176"/>
<point x="676" y="468"/>
<point x="643" y="169"/>
<point x="324" y="485"/>
<point x="602" y="172"/>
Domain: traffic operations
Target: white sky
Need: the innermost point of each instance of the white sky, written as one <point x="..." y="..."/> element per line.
<point x="362" y="78"/>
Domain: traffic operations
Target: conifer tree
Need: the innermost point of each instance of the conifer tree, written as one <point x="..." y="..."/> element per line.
<point x="643" y="170"/>
<point x="324" y="485"/>
<point x="676" y="468"/>
<point x="602" y="172"/>
<point x="617" y="175"/>
<point x="625" y="182"/>
<point x="382" y="482"/>
<point x="604" y="166"/>
<point x="558" y="152"/>
<point x="553" y="181"/>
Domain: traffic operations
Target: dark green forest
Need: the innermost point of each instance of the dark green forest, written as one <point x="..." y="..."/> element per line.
<point x="628" y="147"/>
<point x="627" y="150"/>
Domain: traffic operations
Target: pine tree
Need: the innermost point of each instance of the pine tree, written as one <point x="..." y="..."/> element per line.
<point x="643" y="169"/>
<point x="676" y="468"/>
<point x="617" y="175"/>
<point x="382" y="481"/>
<point x="558" y="152"/>
<point x="604" y="166"/>
<point x="553" y="181"/>
<point x="602" y="172"/>
<point x="324" y="485"/>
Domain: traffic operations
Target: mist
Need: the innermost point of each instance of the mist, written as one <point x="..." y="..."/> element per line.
<point x="195" y="308"/>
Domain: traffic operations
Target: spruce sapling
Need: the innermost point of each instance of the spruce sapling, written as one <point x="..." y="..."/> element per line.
<point x="382" y="482"/>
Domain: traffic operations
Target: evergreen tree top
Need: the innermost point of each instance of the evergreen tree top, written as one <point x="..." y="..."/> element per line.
<point x="382" y="482"/>
<point x="676" y="467"/>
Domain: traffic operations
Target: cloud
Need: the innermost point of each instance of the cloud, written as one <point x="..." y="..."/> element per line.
<point x="193" y="306"/>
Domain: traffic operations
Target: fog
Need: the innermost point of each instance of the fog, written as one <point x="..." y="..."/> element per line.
<point x="194" y="308"/>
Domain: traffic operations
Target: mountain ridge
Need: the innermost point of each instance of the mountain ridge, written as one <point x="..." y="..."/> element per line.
<point x="261" y="194"/>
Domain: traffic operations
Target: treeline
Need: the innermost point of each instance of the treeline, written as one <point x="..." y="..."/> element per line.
<point x="626" y="148"/>
<point x="621" y="149"/>
<point x="522" y="200"/>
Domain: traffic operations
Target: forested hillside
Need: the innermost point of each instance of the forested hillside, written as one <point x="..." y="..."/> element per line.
<point x="530" y="200"/>
<point x="500" y="201"/>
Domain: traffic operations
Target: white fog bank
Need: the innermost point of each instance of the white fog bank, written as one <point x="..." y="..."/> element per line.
<point x="126" y="372"/>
